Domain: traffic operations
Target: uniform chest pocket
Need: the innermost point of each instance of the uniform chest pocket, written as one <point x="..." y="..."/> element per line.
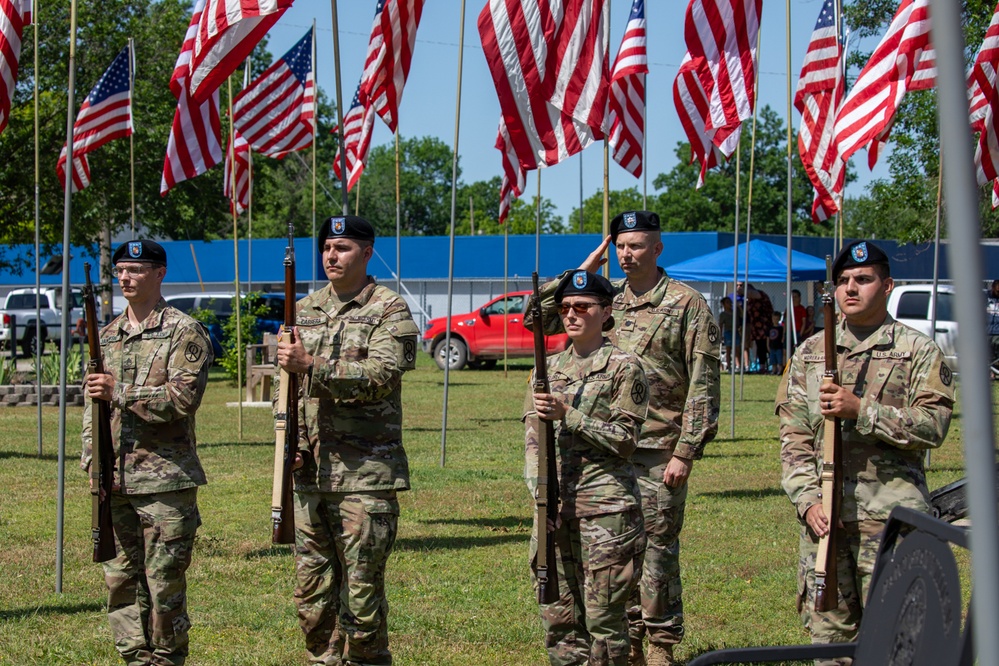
<point x="353" y="339"/>
<point x="592" y="396"/>
<point x="640" y="332"/>
<point x="888" y="384"/>
<point x="144" y="363"/>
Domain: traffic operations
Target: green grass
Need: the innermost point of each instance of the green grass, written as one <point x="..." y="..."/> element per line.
<point x="457" y="581"/>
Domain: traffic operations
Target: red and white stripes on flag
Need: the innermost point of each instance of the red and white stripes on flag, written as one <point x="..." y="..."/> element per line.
<point x="227" y="32"/>
<point x="708" y="147"/>
<point x="276" y="111"/>
<point x="820" y="91"/>
<point x="903" y="61"/>
<point x="626" y="101"/>
<point x="984" y="78"/>
<point x="550" y="68"/>
<point x="242" y="174"/>
<point x="357" y="127"/>
<point x="514" y="176"/>
<point x="106" y="115"/>
<point x="15" y="15"/>
<point x="721" y="41"/>
<point x="195" y="143"/>
<point x="390" y="52"/>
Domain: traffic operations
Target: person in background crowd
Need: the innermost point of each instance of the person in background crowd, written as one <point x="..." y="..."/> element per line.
<point x="808" y="330"/>
<point x="730" y="343"/>
<point x="775" y="342"/>
<point x="993" y="314"/>
<point x="759" y="316"/>
<point x="800" y="315"/>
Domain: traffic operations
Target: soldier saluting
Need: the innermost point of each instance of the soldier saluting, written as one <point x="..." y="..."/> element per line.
<point x="894" y="400"/>
<point x="156" y="361"/>
<point x="353" y="341"/>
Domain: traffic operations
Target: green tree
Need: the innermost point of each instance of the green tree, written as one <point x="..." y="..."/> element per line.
<point x="682" y="207"/>
<point x="617" y="201"/>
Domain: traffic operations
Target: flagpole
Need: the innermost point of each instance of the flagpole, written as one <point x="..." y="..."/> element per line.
<point x="506" y="290"/>
<point x="357" y="197"/>
<point x="605" y="229"/>
<point x="965" y="251"/>
<point x="749" y="218"/>
<point x="235" y="252"/>
<point x="735" y="279"/>
<point x="131" y="137"/>
<point x="339" y="110"/>
<point x="450" y="264"/>
<point x="537" y="227"/>
<point x="645" y="124"/>
<point x="64" y="349"/>
<point x="788" y="303"/>
<point x="398" y="218"/>
<point x="38" y="252"/>
<point x="838" y="230"/>
<point x="580" y="191"/>
<point x="249" y="189"/>
<point x="936" y="257"/>
<point x="315" y="141"/>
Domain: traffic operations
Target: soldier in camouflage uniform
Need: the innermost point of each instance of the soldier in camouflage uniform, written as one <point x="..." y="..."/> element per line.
<point x="156" y="361"/>
<point x="670" y="328"/>
<point x="598" y="401"/>
<point x="895" y="402"/>
<point x="353" y="341"/>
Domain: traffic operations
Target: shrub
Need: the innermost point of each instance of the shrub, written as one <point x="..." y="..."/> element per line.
<point x="233" y="359"/>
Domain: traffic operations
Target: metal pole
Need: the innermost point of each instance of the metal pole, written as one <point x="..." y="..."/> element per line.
<point x="506" y="289"/>
<point x="735" y="279"/>
<point x="398" y="219"/>
<point x="64" y="347"/>
<point x="339" y="111"/>
<point x="749" y="221"/>
<point x="788" y="305"/>
<point x="450" y="259"/>
<point x="38" y="277"/>
<point x="936" y="262"/>
<point x="131" y="137"/>
<point x="537" y="227"/>
<point x="235" y="260"/>
<point x="605" y="229"/>
<point x="315" y="142"/>
<point x="976" y="390"/>
<point x="581" y="192"/>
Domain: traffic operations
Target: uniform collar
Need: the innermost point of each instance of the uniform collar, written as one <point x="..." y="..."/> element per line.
<point x="329" y="305"/>
<point x="153" y="320"/>
<point x="883" y="336"/>
<point x="652" y="297"/>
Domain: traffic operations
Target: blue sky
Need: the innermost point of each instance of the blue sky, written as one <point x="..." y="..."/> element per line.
<point x="428" y="105"/>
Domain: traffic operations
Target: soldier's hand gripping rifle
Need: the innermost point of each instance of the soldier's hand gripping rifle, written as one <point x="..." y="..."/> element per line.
<point x="826" y="581"/>
<point x="102" y="448"/>
<point x="546" y="494"/>
<point x="286" y="419"/>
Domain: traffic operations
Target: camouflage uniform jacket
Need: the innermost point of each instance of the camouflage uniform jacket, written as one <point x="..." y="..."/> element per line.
<point x="160" y="372"/>
<point x="671" y="330"/>
<point x="906" y="397"/>
<point x="606" y="395"/>
<point x="351" y="412"/>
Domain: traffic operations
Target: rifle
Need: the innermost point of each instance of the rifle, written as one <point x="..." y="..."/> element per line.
<point x="286" y="419"/>
<point x="102" y="447"/>
<point x="546" y="494"/>
<point x="826" y="580"/>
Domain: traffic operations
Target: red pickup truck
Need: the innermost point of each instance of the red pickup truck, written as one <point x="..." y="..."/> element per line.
<point x="477" y="337"/>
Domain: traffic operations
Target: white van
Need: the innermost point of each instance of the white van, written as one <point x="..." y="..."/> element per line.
<point x="912" y="304"/>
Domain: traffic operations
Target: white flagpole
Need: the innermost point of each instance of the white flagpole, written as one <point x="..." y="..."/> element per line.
<point x="131" y="137"/>
<point x="537" y="227"/>
<point x="735" y="279"/>
<point x="450" y="260"/>
<point x="605" y="228"/>
<point x="749" y="219"/>
<point x="339" y="112"/>
<point x="38" y="253"/>
<point x="398" y="217"/>
<point x="64" y="348"/>
<point x="315" y="143"/>
<point x="788" y="303"/>
<point x="235" y="260"/>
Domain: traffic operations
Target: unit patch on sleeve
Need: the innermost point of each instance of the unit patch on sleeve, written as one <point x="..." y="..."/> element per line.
<point x="193" y="352"/>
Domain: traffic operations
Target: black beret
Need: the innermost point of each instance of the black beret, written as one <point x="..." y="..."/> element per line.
<point x="858" y="253"/>
<point x="634" y="220"/>
<point x="346" y="226"/>
<point x="140" y="250"/>
<point x="584" y="283"/>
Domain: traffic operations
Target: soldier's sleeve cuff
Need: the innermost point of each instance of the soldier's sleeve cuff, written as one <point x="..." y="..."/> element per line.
<point x="573" y="419"/>
<point x="688" y="451"/>
<point x="806" y="502"/>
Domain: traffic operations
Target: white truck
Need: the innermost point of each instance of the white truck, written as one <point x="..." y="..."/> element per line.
<point x="912" y="305"/>
<point x="20" y="308"/>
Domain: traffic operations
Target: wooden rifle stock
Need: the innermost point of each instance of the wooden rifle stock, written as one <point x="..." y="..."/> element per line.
<point x="101" y="447"/>
<point x="546" y="498"/>
<point x="826" y="580"/>
<point x="286" y="419"/>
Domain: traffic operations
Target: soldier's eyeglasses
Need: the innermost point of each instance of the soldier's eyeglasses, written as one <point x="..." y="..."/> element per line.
<point x="578" y="308"/>
<point x="137" y="271"/>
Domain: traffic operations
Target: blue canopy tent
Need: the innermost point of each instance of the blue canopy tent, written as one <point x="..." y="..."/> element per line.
<point x="767" y="263"/>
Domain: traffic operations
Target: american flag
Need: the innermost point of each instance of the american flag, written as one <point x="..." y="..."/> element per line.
<point x="14" y="16"/>
<point x="626" y="102"/>
<point x="357" y="126"/>
<point x="106" y="115"/>
<point x="820" y="92"/>
<point x="983" y="77"/>
<point x="390" y="52"/>
<point x="904" y="60"/>
<point x="514" y="175"/>
<point x="195" y="143"/>
<point x="242" y="173"/>
<point x="275" y="113"/>
<point x="228" y="32"/>
<point x="708" y="147"/>
<point x="721" y="40"/>
<point x="549" y="66"/>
